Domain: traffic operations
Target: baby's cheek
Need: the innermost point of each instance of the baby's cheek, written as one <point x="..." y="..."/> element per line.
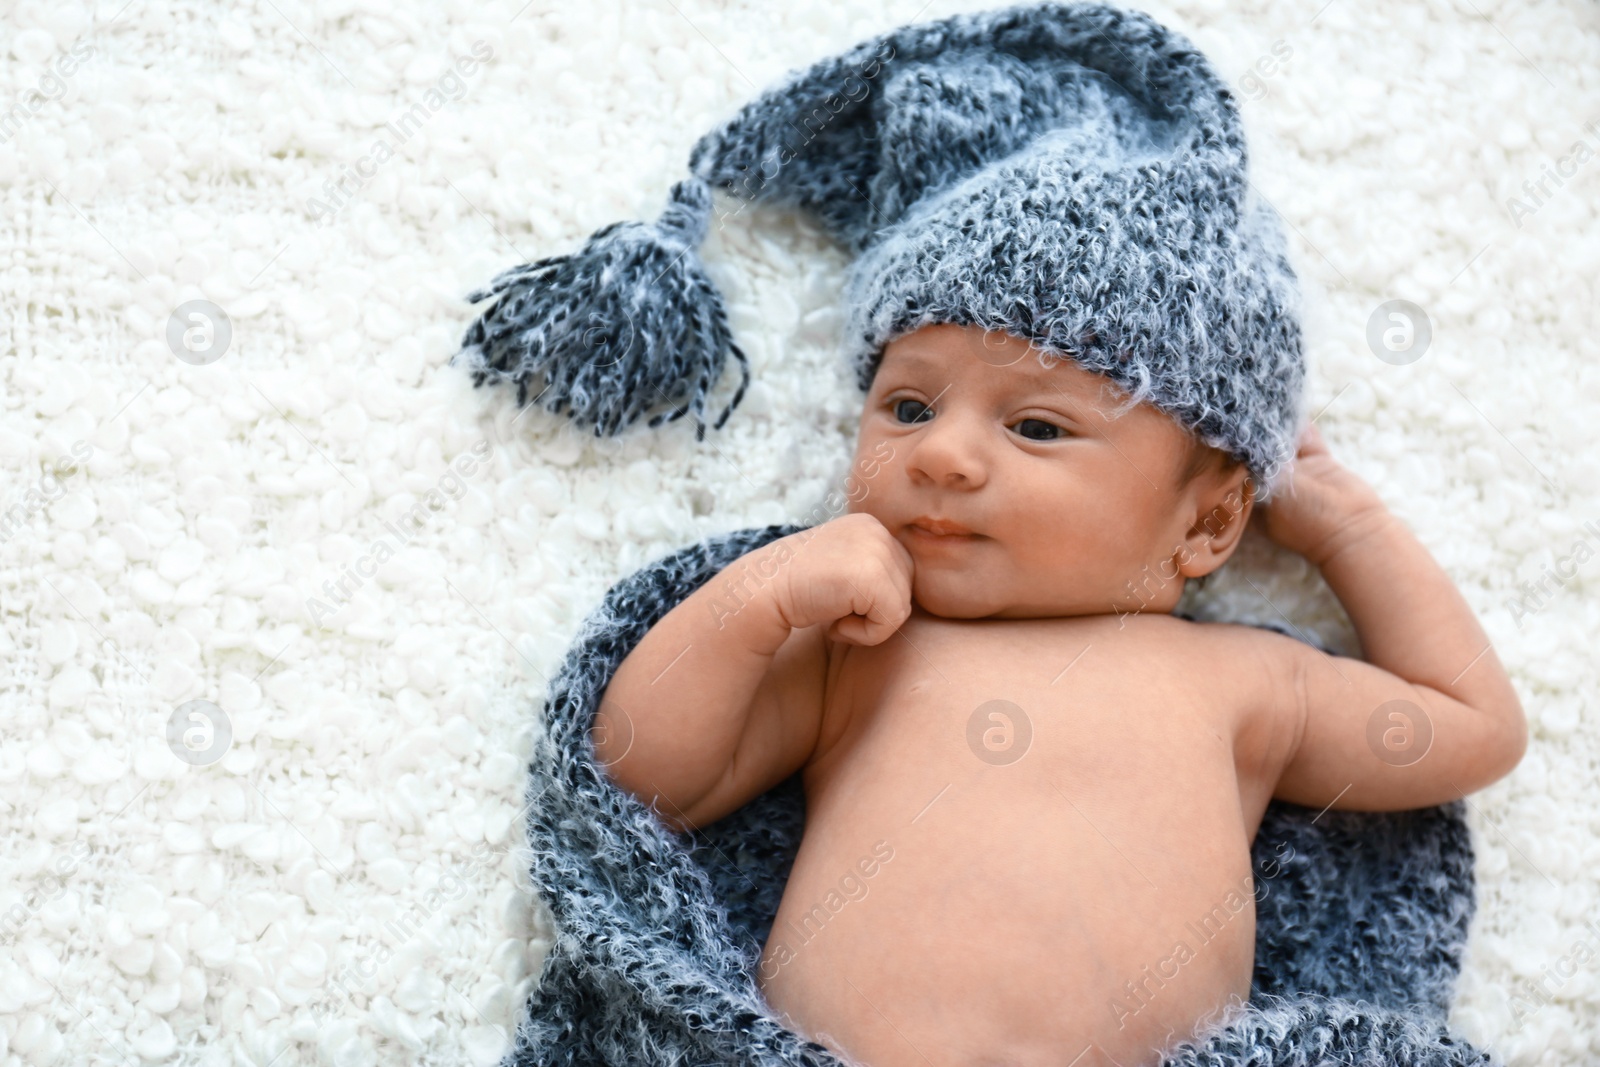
<point x="866" y="503"/>
<point x="1079" y="565"/>
<point x="871" y="472"/>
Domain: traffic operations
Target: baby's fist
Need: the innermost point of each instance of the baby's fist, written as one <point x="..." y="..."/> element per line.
<point x="851" y="575"/>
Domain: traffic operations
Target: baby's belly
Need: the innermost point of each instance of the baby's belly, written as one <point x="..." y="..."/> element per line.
<point x="1087" y="903"/>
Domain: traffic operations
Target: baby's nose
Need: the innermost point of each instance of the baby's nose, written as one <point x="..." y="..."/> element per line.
<point x="947" y="452"/>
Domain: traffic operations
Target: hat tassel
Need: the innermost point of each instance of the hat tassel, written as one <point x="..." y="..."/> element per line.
<point x="629" y="322"/>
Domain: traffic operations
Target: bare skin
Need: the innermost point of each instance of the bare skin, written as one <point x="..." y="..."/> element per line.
<point x="1031" y="791"/>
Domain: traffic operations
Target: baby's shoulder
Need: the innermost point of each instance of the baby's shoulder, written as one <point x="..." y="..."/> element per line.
<point x="1256" y="664"/>
<point x="1192" y="631"/>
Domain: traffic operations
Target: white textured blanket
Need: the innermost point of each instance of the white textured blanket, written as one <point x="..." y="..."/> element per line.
<point x="281" y="591"/>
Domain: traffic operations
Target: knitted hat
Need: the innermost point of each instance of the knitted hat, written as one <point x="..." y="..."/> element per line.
<point x="1072" y="174"/>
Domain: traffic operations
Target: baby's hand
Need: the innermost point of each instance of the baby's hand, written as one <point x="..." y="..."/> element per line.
<point x="849" y="573"/>
<point x="1426" y="714"/>
<point x="1321" y="506"/>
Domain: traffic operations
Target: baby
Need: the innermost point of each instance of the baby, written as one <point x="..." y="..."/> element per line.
<point x="1038" y="786"/>
<point x="1031" y="790"/>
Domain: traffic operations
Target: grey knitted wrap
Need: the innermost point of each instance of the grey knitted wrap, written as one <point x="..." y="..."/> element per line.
<point x="1073" y="174"/>
<point x="1361" y="918"/>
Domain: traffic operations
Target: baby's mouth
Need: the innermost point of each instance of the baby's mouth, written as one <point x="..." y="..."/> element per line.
<point x="941" y="531"/>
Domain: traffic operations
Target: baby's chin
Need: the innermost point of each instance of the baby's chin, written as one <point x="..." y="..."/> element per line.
<point x="956" y="596"/>
<point x="962" y="596"/>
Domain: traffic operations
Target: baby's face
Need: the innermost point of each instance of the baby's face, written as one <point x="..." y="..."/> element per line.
<point x="1067" y="501"/>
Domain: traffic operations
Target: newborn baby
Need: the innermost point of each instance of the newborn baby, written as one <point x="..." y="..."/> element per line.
<point x="1033" y="788"/>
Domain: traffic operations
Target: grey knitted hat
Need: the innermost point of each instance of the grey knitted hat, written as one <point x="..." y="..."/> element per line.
<point x="1072" y="174"/>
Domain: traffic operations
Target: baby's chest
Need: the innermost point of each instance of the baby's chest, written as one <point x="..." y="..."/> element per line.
<point x="1027" y="741"/>
<point x="1061" y="816"/>
<point x="1042" y="707"/>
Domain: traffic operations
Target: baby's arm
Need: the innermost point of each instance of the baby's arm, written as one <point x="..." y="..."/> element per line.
<point x="723" y="697"/>
<point x="1429" y="714"/>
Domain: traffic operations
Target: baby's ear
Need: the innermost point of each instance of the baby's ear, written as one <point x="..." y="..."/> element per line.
<point x="1221" y="508"/>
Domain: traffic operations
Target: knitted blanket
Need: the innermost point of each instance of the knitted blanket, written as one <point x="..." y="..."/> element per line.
<point x="1361" y="917"/>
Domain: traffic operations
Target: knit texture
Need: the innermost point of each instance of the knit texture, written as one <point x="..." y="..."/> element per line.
<point x="658" y="935"/>
<point x="1072" y="174"/>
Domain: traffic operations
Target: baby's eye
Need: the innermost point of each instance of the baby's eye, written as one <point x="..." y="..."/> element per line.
<point x="1042" y="431"/>
<point x="919" y="416"/>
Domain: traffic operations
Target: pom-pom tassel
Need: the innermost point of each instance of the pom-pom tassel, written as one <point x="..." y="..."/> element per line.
<point x="629" y="322"/>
